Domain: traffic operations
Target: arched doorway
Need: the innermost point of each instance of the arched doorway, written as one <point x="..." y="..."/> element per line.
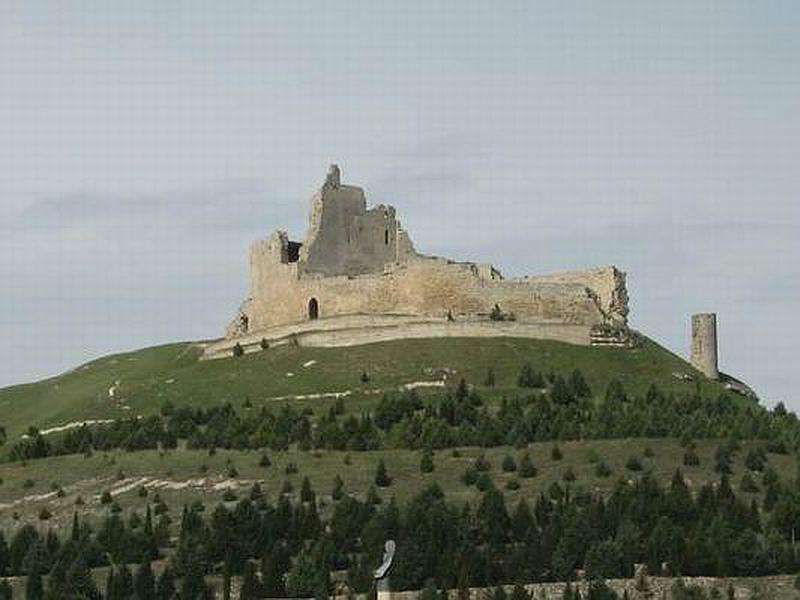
<point x="313" y="309"/>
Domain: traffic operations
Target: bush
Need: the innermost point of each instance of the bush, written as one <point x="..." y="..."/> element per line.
<point x="633" y="464"/>
<point x="337" y="493"/>
<point x="556" y="453"/>
<point x="648" y="452"/>
<point x="512" y="484"/>
<point x="382" y="478"/>
<point x="481" y="464"/>
<point x="238" y="350"/>
<point x="569" y="475"/>
<point x="526" y="467"/>
<point x="601" y="469"/>
<point x="291" y="468"/>
<point x="528" y="378"/>
<point x="364" y="377"/>
<point x="45" y="514"/>
<point x="756" y="459"/>
<point x="264" y="344"/>
<point x="470" y="476"/>
<point x="509" y="464"/>
<point x="306" y="492"/>
<point x="484" y="482"/>
<point x="748" y="485"/>
<point x="490" y="379"/>
<point x="105" y="498"/>
<point x="690" y="458"/>
<point x="229" y="495"/>
<point x="426" y="463"/>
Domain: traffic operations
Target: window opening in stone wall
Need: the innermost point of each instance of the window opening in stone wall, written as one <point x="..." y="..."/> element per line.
<point x="386" y="237"/>
<point x="313" y="309"/>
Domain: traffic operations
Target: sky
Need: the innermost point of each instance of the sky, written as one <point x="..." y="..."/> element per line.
<point x="144" y="145"/>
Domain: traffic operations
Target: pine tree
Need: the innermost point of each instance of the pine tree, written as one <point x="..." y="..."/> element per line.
<point x="382" y="478"/>
<point x="251" y="587"/>
<point x="34" y="588"/>
<point x="337" y="493"/>
<point x="306" y="493"/>
<point x="426" y="463"/>
<point x="144" y="584"/>
<point x="165" y="586"/>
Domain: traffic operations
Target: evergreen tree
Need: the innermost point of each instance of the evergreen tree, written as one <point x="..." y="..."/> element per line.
<point x="382" y="478"/>
<point x="34" y="588"/>
<point x="165" y="585"/>
<point x="144" y="584"/>
<point x="251" y="587"/>
<point x="426" y="463"/>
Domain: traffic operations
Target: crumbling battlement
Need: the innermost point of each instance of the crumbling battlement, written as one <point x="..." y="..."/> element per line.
<point x="359" y="261"/>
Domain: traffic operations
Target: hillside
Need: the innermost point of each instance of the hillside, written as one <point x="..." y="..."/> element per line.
<point x="288" y="445"/>
<point x="147" y="378"/>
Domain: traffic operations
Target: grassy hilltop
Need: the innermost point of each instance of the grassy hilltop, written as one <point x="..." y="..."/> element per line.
<point x="149" y="377"/>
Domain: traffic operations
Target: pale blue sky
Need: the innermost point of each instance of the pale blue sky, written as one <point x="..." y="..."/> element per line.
<point x="144" y="145"/>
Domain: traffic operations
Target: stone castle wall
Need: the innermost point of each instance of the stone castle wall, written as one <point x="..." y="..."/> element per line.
<point x="359" y="261"/>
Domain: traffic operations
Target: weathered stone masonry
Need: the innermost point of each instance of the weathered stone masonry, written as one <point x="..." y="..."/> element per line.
<point x="359" y="261"/>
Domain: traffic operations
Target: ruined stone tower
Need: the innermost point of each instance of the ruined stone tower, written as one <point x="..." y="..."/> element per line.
<point x="704" y="344"/>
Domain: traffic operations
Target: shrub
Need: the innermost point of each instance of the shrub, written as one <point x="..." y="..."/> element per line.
<point x="490" y="379"/>
<point x="601" y="469"/>
<point x="481" y="464"/>
<point x="484" y="482"/>
<point x="382" y="478"/>
<point x="690" y="458"/>
<point x="592" y="456"/>
<point x="45" y="514"/>
<point x="648" y="452"/>
<point x="291" y="468"/>
<point x="264" y="344"/>
<point x="556" y="453"/>
<point x="526" y="467"/>
<point x="105" y="497"/>
<point x="337" y="493"/>
<point x="287" y="487"/>
<point x="28" y="483"/>
<point x="229" y="495"/>
<point x="633" y="464"/>
<point x="512" y="484"/>
<point x="426" y="463"/>
<point x="569" y="475"/>
<point x="306" y="493"/>
<point x="142" y="492"/>
<point x="509" y="464"/>
<point x="470" y="476"/>
<point x="116" y="508"/>
<point x="232" y="472"/>
<point x="748" y="485"/>
<point x="364" y="377"/>
<point x="756" y="459"/>
<point x="238" y="350"/>
<point x="528" y="378"/>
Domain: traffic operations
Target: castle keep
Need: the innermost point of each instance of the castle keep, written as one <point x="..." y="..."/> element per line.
<point x="357" y="278"/>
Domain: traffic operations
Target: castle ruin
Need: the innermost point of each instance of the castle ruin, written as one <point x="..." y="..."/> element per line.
<point x="357" y="278"/>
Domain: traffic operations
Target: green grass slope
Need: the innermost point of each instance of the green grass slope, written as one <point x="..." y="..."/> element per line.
<point x="149" y="377"/>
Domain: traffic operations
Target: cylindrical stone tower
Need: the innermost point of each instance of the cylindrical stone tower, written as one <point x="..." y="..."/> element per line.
<point x="704" y="344"/>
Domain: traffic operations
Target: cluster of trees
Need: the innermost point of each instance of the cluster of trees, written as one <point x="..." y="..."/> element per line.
<point x="288" y="548"/>
<point x="548" y="407"/>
